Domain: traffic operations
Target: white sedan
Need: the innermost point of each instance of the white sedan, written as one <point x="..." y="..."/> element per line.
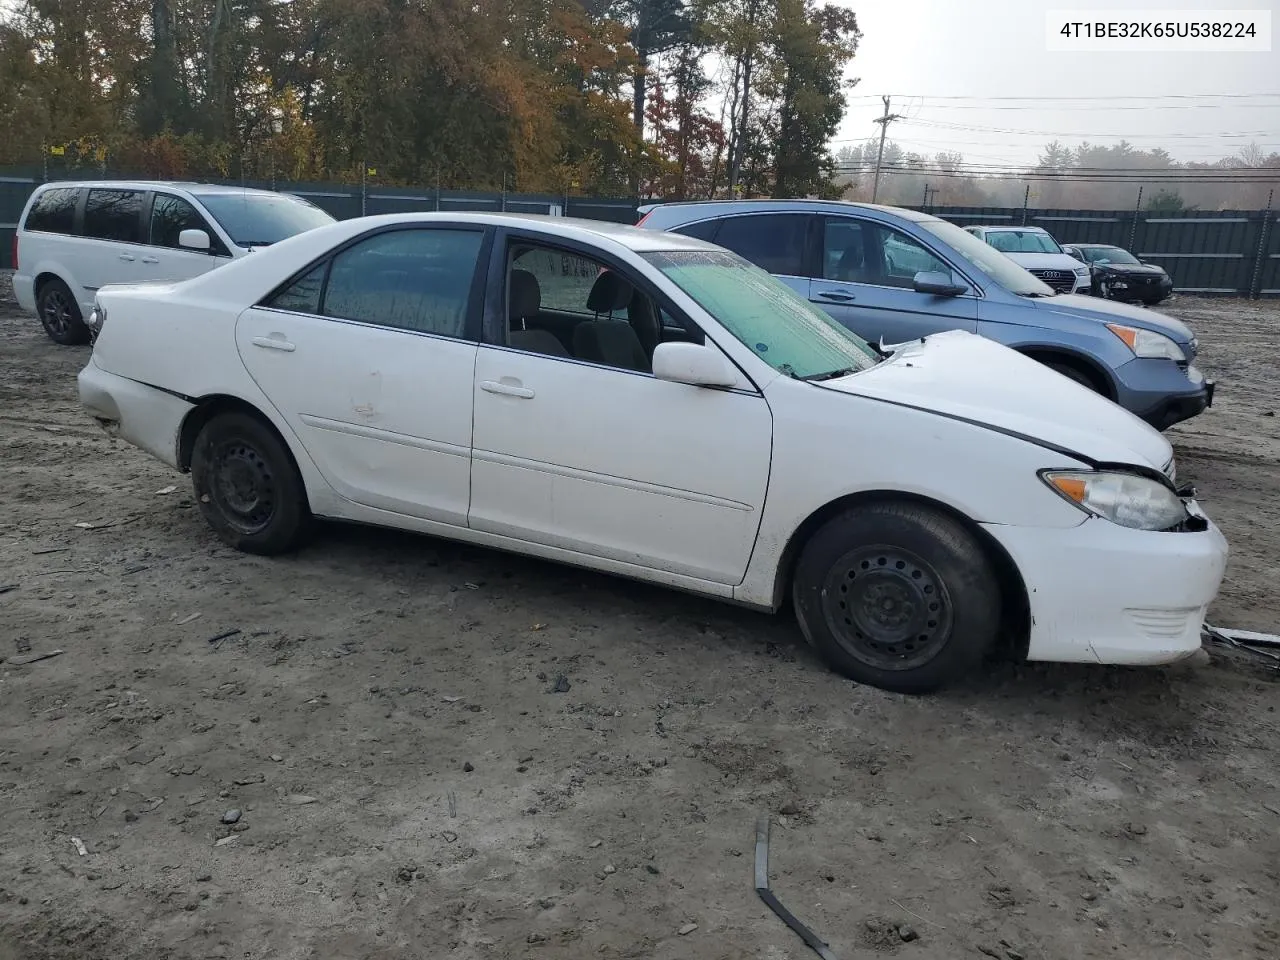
<point x="651" y="405"/>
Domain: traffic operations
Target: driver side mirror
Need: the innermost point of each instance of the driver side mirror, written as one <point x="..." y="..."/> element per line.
<point x="194" y="240"/>
<point x="937" y="283"/>
<point x="691" y="363"/>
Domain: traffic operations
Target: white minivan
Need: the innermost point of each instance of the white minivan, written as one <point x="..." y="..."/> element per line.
<point x="75" y="237"/>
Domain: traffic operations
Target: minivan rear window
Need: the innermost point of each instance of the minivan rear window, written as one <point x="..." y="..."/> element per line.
<point x="54" y="211"/>
<point x="114" y="215"/>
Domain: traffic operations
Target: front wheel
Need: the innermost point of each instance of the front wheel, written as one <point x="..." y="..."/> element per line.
<point x="247" y="485"/>
<point x="898" y="596"/>
<point x="1074" y="373"/>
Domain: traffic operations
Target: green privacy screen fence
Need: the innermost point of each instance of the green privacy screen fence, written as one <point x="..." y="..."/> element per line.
<point x="1225" y="253"/>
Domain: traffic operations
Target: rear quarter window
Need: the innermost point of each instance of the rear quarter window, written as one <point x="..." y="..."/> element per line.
<point x="54" y="211"/>
<point x="702" y="230"/>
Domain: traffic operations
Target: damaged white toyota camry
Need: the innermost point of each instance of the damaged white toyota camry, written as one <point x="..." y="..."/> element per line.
<point x="653" y="406"/>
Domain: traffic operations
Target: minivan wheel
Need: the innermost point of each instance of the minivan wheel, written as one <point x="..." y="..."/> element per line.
<point x="60" y="314"/>
<point x="898" y="596"/>
<point x="247" y="485"/>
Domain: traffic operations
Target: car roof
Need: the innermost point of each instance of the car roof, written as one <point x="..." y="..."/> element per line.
<point x="736" y="206"/>
<point x="190" y="186"/>
<point x="573" y="228"/>
<point x="1010" y="226"/>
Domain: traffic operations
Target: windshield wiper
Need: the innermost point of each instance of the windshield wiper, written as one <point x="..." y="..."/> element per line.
<point x="829" y="375"/>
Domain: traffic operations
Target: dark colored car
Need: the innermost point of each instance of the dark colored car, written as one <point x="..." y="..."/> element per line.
<point x="1119" y="275"/>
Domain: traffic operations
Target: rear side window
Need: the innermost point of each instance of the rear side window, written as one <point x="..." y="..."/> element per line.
<point x="774" y="242"/>
<point x="114" y="215"/>
<point x="703" y="230"/>
<point x="54" y="211"/>
<point x="416" y="280"/>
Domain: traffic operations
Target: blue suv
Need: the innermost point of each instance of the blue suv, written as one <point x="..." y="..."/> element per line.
<point x="893" y="275"/>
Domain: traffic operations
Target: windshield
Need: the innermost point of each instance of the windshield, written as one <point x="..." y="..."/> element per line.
<point x="1023" y="241"/>
<point x="1110" y="255"/>
<point x="989" y="260"/>
<point x="256" y="219"/>
<point x="784" y="330"/>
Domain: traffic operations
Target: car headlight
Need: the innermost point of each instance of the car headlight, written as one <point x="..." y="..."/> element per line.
<point x="1126" y="499"/>
<point x="1146" y="343"/>
<point x="97" y="317"/>
<point x="1082" y="271"/>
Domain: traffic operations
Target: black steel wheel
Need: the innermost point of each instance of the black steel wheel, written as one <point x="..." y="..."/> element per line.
<point x="897" y="595"/>
<point x="247" y="485"/>
<point x="887" y="607"/>
<point x="60" y="314"/>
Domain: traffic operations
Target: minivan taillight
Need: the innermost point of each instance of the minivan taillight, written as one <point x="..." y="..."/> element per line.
<point x="639" y="223"/>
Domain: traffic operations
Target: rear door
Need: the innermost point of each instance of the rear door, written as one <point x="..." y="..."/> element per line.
<point x="170" y="214"/>
<point x="369" y="357"/>
<point x="781" y="243"/>
<point x="114" y="239"/>
<point x="866" y="282"/>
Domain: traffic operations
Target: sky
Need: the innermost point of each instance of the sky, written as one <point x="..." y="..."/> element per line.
<point x="920" y="50"/>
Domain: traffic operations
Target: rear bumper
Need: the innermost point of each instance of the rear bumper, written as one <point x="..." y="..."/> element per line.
<point x="24" y="291"/>
<point x="1101" y="593"/>
<point x="144" y="416"/>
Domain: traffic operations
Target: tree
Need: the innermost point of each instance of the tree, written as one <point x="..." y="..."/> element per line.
<point x="1167" y="201"/>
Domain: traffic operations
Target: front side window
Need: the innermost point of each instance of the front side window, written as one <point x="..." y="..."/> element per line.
<point x="417" y="280"/>
<point x="564" y="279"/>
<point x="774" y="241"/>
<point x="860" y="251"/>
<point x="171" y="215"/>
<point x="763" y="313"/>
<point x="114" y="215"/>
<point x="54" y="211"/>
<point x="261" y="219"/>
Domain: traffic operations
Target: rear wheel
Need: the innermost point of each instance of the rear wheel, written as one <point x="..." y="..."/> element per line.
<point x="60" y="314"/>
<point x="247" y="486"/>
<point x="899" y="596"/>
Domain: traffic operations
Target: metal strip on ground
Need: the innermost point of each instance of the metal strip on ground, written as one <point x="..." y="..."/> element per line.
<point x="816" y="943"/>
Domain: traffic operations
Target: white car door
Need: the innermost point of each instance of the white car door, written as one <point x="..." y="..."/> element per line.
<point x="578" y="446"/>
<point x="164" y="259"/>
<point x="113" y="245"/>
<point x="369" y="357"/>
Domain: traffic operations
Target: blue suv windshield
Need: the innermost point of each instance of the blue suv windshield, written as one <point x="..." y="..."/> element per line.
<point x="987" y="259"/>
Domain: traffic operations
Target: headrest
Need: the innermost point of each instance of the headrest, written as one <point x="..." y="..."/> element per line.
<point x="610" y="292"/>
<point x="525" y="295"/>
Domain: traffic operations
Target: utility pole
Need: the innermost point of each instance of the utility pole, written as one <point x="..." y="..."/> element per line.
<point x="884" y="122"/>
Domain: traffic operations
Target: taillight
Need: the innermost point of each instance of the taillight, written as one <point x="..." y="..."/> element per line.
<point x="639" y="223"/>
<point x="14" y="259"/>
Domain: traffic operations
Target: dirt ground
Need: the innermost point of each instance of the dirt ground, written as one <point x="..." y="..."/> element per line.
<point x="409" y="784"/>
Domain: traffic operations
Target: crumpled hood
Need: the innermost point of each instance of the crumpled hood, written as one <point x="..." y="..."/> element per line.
<point x="964" y="375"/>
<point x="1046" y="261"/>
<point x="1113" y="311"/>
<point x="1131" y="269"/>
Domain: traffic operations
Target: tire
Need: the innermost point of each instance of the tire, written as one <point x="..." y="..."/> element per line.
<point x="60" y="314"/>
<point x="897" y="596"/>
<point x="247" y="485"/>
<point x="1072" y="372"/>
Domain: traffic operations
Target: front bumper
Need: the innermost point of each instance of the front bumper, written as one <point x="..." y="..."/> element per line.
<point x="1101" y="593"/>
<point x="149" y="418"/>
<point x="1161" y="392"/>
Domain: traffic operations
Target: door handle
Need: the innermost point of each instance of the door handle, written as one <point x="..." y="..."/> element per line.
<point x="128" y="256"/>
<point x="150" y="260"/>
<point x="506" y="389"/>
<point x="837" y="297"/>
<point x="274" y="343"/>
